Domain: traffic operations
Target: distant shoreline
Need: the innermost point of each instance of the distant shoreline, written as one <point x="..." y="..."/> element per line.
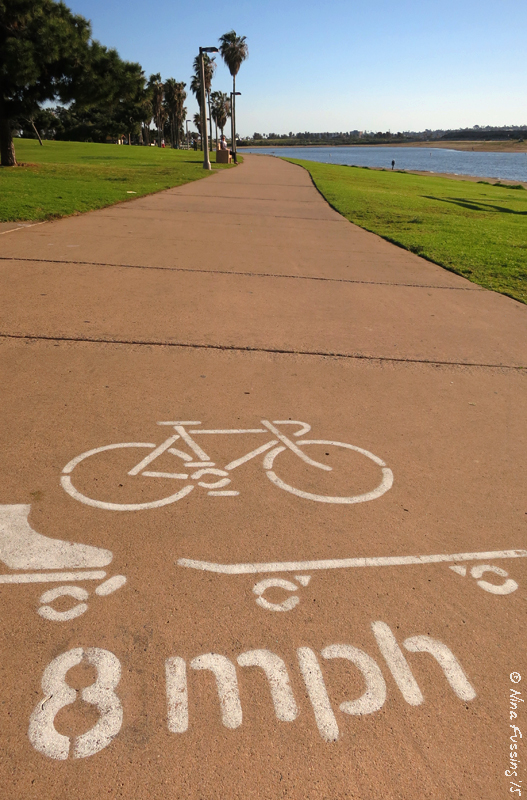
<point x="498" y="146"/>
<point x="478" y="146"/>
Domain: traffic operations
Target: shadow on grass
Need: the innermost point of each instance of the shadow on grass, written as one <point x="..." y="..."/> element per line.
<point x="472" y="205"/>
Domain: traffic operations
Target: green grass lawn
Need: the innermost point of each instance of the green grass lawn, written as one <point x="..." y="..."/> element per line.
<point x="475" y="229"/>
<point x="64" y="178"/>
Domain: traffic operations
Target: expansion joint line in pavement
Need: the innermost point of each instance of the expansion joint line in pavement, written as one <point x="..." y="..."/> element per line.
<point x="249" y="349"/>
<point x="244" y="274"/>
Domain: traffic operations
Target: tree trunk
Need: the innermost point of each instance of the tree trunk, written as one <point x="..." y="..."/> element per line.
<point x="38" y="134"/>
<point x="7" y="148"/>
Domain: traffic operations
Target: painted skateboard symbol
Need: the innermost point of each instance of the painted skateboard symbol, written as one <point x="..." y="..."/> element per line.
<point x="47" y="560"/>
<point x="197" y="469"/>
<point x="273" y="567"/>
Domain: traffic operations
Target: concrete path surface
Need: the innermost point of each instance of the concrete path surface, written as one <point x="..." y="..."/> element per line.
<point x="262" y="506"/>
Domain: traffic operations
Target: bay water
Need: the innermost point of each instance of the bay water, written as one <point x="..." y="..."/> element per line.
<point x="500" y="166"/>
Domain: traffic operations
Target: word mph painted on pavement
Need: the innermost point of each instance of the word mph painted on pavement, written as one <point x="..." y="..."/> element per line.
<point x="103" y="692"/>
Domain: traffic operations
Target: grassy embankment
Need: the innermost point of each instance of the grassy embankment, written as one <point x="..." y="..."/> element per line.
<point x="478" y="230"/>
<point x="64" y="178"/>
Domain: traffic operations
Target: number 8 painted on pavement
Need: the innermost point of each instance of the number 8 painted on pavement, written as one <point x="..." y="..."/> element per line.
<point x="42" y="732"/>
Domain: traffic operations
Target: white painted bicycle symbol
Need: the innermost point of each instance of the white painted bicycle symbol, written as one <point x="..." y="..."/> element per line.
<point x="197" y="469"/>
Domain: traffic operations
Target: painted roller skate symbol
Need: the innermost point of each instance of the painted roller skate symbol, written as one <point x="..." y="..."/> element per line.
<point x="197" y="469"/>
<point x="22" y="548"/>
<point x="292" y="601"/>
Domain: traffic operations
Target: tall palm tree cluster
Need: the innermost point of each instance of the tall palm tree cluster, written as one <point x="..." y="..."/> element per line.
<point x="233" y="50"/>
<point x="166" y="101"/>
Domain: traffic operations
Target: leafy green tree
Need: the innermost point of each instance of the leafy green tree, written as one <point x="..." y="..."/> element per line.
<point x="131" y="108"/>
<point x="109" y="119"/>
<point x="46" y="53"/>
<point x="41" y="46"/>
<point x="234" y="51"/>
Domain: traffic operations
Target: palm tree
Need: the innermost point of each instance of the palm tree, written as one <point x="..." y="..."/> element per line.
<point x="170" y="103"/>
<point x="175" y="96"/>
<point x="158" y="91"/>
<point x="209" y="67"/>
<point x="221" y="111"/>
<point x="234" y="51"/>
<point x="197" y="121"/>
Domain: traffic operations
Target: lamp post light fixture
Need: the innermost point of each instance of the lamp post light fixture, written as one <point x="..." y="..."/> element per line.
<point x="233" y="122"/>
<point x="204" y="132"/>
<point x="188" y="140"/>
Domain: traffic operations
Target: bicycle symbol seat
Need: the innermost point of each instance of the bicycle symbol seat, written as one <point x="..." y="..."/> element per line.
<point x="195" y="468"/>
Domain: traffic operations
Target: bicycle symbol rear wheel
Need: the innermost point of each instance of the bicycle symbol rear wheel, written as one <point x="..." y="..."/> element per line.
<point x="385" y="484"/>
<point x="68" y="486"/>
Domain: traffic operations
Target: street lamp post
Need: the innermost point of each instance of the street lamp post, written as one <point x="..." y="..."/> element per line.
<point x="188" y="140"/>
<point x="233" y="123"/>
<point x="204" y="132"/>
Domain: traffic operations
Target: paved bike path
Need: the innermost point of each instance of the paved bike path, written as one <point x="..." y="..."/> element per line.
<point x="225" y="302"/>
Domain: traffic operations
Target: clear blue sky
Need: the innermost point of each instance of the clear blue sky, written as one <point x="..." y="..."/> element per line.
<point x="341" y="64"/>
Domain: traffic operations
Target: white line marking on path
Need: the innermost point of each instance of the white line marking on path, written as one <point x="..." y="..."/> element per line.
<point x="52" y="577"/>
<point x="20" y="227"/>
<point x="344" y="563"/>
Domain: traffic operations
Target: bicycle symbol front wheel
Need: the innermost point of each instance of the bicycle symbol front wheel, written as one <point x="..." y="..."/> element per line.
<point x="385" y="484"/>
